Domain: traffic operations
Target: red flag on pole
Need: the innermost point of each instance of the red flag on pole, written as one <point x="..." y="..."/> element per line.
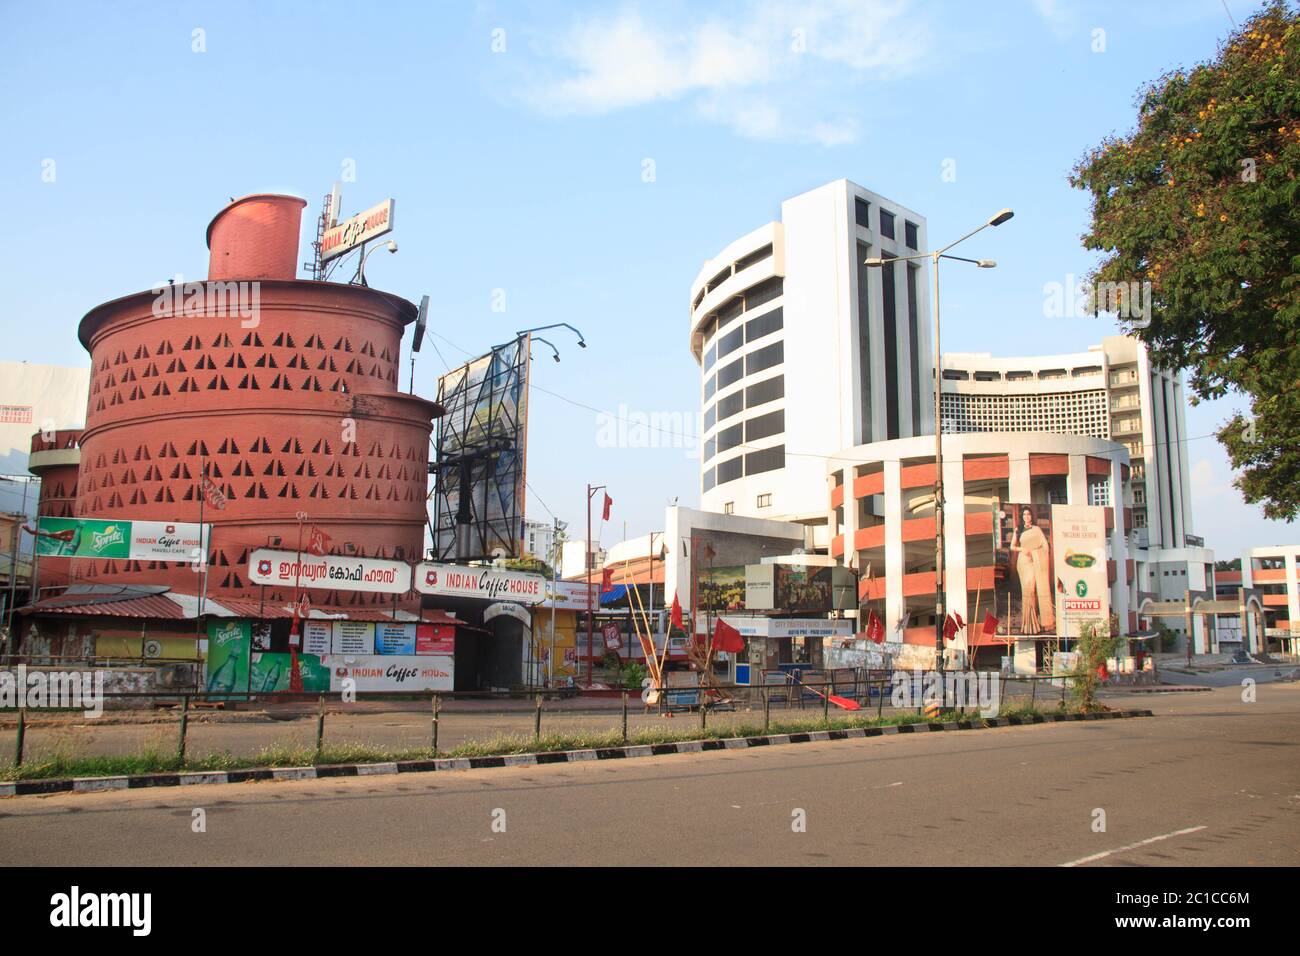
<point x="875" y="628"/>
<point x="990" y="624"/>
<point x="957" y="618"/>
<point x="727" y="638"/>
<point x="949" y="628"/>
<point x="606" y="579"/>
<point x="675" y="620"/>
<point x="318" y="542"/>
<point x="609" y="503"/>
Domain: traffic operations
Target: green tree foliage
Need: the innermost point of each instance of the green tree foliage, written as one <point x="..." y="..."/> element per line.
<point x="1202" y="200"/>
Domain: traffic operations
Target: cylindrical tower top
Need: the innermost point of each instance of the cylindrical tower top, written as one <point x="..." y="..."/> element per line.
<point x="256" y="237"/>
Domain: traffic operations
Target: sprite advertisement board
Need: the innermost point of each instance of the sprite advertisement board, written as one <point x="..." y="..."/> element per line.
<point x="271" y="673"/>
<point x="136" y="540"/>
<point x="229" y="644"/>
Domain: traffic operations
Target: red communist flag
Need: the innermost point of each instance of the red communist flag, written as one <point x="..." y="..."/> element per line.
<point x="676" y="619"/>
<point x="727" y="638"/>
<point x="875" y="628"/>
<point x="606" y="580"/>
<point x="317" y="542"/>
<point x="957" y="618"/>
<point x="949" y="628"/>
<point x="990" y="624"/>
<point x="609" y="503"/>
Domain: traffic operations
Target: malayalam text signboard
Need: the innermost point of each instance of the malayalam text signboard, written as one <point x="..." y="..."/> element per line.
<point x="393" y="637"/>
<point x="354" y="638"/>
<point x="1082" y="579"/>
<point x="435" y="639"/>
<point x="317" y="637"/>
<point x="332" y="571"/>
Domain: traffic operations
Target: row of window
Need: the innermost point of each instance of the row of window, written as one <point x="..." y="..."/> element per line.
<point x="750" y="396"/>
<point x="757" y="256"/>
<point x="862" y="216"/>
<point x="751" y="331"/>
<point x="752" y="463"/>
<point x="747" y="301"/>
<point x="758" y="427"/>
<point x="756" y="361"/>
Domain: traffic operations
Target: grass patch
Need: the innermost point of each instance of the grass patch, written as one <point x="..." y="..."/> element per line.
<point x="62" y="762"/>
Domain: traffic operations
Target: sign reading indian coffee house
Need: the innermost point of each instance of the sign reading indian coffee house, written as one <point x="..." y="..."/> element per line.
<point x="364" y="226"/>
<point x="488" y="584"/>
<point x="336" y="572"/>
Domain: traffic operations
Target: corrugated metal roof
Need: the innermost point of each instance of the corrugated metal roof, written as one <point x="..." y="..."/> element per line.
<point x="160" y="603"/>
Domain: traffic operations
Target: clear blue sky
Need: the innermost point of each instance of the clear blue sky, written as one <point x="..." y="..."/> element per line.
<point x="522" y="169"/>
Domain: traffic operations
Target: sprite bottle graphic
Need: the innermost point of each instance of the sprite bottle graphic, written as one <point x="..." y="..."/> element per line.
<point x="223" y="678"/>
<point x="272" y="679"/>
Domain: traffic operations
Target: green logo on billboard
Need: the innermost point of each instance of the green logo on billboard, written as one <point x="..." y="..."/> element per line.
<point x="1081" y="588"/>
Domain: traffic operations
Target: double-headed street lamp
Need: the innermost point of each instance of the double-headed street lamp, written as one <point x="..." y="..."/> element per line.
<point x="940" y="616"/>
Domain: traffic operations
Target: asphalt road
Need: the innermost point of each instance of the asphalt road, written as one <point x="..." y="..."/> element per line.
<point x="1210" y="781"/>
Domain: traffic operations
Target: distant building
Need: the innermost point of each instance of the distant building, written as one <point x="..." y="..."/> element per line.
<point x="1275" y="571"/>
<point x="539" y="540"/>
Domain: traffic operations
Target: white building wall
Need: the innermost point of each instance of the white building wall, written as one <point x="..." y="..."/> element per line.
<point x="816" y="251"/>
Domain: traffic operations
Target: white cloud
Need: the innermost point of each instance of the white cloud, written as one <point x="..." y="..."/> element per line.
<point x="1058" y="17"/>
<point x="751" y="72"/>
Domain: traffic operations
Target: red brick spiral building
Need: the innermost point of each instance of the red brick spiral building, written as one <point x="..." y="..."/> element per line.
<point x="286" y="389"/>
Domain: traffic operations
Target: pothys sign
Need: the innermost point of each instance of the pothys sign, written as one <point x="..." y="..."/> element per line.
<point x="487" y="584"/>
<point x="332" y="571"/>
<point x="364" y="226"/>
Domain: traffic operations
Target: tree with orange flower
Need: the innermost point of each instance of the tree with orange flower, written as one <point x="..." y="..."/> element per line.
<point x="1202" y="200"/>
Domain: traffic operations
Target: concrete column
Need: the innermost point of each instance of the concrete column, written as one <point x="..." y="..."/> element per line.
<point x="1076" y="482"/>
<point x="1119" y="547"/>
<point x="894" y="566"/>
<point x="1018" y="478"/>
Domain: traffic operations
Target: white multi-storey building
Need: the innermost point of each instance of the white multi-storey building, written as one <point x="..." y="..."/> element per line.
<point x="804" y="350"/>
<point x="1111" y="391"/>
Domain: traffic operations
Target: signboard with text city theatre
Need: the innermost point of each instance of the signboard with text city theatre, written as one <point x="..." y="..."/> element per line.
<point x="335" y="572"/>
<point x="488" y="584"/>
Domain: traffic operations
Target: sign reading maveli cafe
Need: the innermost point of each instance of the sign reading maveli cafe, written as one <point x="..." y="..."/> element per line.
<point x="488" y="584"/>
<point x="332" y="571"/>
<point x="136" y="540"/>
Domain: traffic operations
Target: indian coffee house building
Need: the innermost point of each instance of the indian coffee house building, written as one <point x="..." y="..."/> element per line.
<point x="247" y="419"/>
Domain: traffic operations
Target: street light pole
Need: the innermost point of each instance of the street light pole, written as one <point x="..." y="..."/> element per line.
<point x="940" y="596"/>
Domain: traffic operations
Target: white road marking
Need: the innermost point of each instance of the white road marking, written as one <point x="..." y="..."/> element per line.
<point x="1132" y="846"/>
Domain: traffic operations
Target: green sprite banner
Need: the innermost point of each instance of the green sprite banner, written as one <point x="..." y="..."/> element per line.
<point x="271" y="673"/>
<point x="136" y="540"/>
<point x="229" y="644"/>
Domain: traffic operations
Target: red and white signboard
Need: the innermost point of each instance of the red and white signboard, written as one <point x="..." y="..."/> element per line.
<point x="437" y="639"/>
<point x="364" y="226"/>
<point x="332" y="571"/>
<point x="385" y="672"/>
<point x="487" y="584"/>
<point x="613" y="637"/>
